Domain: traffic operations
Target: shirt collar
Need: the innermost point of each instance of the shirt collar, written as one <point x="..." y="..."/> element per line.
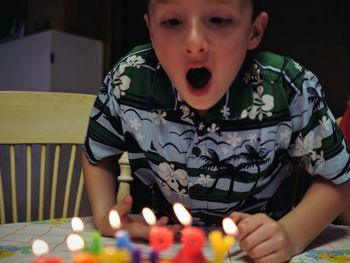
<point x="163" y="95"/>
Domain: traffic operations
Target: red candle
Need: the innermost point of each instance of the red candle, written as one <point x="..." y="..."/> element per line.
<point x="40" y="248"/>
<point x="160" y="237"/>
<point x="193" y="238"/>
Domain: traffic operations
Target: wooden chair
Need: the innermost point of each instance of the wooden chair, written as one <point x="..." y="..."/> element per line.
<point x="40" y="144"/>
<point x="40" y="136"/>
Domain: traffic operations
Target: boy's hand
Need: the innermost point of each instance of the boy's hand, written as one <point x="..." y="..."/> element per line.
<point x="136" y="226"/>
<point x="262" y="238"/>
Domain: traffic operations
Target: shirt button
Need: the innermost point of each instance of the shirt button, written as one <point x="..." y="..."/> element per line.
<point x="196" y="151"/>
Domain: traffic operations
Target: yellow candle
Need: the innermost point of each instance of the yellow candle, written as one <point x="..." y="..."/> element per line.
<point x="220" y="244"/>
<point x="111" y="254"/>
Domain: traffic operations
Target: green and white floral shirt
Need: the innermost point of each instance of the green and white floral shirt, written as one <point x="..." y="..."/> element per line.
<point x="239" y="157"/>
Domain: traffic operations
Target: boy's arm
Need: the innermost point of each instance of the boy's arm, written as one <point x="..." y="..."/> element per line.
<point x="321" y="204"/>
<point x="266" y="240"/>
<point x="344" y="217"/>
<point x="100" y="183"/>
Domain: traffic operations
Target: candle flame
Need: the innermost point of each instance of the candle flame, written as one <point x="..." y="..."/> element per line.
<point x="149" y="216"/>
<point x="182" y="214"/>
<point x="40" y="247"/>
<point x="75" y="242"/>
<point x="77" y="224"/>
<point x="229" y="226"/>
<point x="114" y="219"/>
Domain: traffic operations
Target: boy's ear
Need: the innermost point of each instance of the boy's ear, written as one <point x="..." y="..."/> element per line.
<point x="258" y="30"/>
<point x="146" y="18"/>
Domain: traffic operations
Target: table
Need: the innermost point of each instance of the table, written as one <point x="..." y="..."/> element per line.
<point x="332" y="245"/>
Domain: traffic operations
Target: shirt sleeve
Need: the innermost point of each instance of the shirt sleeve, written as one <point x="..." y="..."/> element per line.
<point x="105" y="135"/>
<point x="317" y="143"/>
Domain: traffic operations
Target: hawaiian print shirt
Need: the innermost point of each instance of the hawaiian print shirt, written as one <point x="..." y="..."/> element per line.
<point x="239" y="157"/>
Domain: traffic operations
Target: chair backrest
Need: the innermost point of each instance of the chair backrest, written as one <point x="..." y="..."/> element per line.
<point x="41" y="134"/>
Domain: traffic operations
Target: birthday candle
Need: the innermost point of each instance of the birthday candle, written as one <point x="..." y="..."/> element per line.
<point x="40" y="248"/>
<point x="77" y="224"/>
<point x="121" y="236"/>
<point x="96" y="243"/>
<point x="193" y="238"/>
<point x="222" y="243"/>
<point x="112" y="254"/>
<point x="75" y="244"/>
<point x="161" y="237"/>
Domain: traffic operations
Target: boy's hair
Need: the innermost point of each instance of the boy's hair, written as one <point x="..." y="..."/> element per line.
<point x="258" y="7"/>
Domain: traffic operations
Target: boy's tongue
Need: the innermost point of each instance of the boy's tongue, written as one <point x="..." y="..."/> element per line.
<point x="198" y="77"/>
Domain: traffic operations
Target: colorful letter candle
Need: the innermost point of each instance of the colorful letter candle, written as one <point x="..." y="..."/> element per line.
<point x="111" y="255"/>
<point x="121" y="236"/>
<point x="96" y="244"/>
<point x="40" y="248"/>
<point x="193" y="238"/>
<point x="161" y="237"/>
<point x="75" y="244"/>
<point x="220" y="243"/>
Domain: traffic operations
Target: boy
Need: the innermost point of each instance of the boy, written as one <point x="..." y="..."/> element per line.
<point x="212" y="125"/>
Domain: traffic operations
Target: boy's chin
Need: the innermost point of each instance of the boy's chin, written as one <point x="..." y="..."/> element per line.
<point x="201" y="106"/>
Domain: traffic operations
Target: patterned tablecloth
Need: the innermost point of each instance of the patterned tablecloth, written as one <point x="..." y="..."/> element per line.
<point x="333" y="245"/>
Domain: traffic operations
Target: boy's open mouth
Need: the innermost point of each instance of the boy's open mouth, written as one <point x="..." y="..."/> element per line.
<point x="198" y="77"/>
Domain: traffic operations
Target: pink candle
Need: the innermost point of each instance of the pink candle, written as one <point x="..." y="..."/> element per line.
<point x="160" y="237"/>
<point x="193" y="238"/>
<point x="40" y="248"/>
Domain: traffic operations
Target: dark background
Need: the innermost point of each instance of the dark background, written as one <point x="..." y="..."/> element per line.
<point x="315" y="33"/>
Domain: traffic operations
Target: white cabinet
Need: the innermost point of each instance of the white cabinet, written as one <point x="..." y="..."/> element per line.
<point x="51" y="61"/>
<point x="48" y="61"/>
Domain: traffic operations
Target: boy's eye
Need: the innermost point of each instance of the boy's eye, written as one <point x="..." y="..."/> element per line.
<point x="171" y="22"/>
<point x="220" y="20"/>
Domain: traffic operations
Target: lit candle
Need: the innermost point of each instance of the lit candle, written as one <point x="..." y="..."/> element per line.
<point x="222" y="243"/>
<point x="96" y="243"/>
<point x="40" y="248"/>
<point x="193" y="238"/>
<point x="229" y="226"/>
<point x="121" y="236"/>
<point x="77" y="224"/>
<point x="161" y="238"/>
<point x="75" y="244"/>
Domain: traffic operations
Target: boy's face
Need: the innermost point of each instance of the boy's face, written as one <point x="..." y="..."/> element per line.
<point x="201" y="44"/>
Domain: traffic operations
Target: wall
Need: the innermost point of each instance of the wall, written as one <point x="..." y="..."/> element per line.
<point x="316" y="33"/>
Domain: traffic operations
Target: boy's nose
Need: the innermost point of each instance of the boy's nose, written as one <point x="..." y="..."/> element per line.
<point x="196" y="42"/>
